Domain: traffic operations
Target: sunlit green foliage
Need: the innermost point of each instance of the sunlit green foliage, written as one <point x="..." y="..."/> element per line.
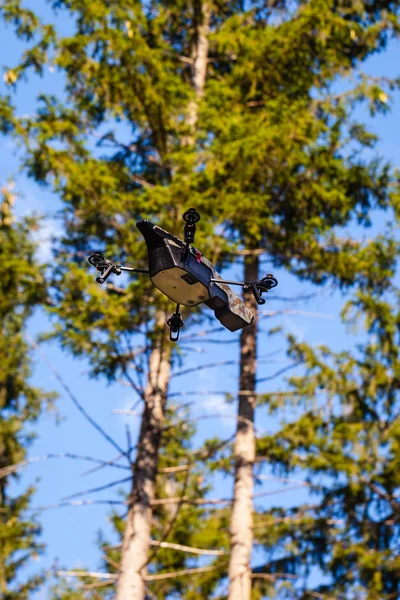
<point x="278" y="159"/>
<point x="22" y="289"/>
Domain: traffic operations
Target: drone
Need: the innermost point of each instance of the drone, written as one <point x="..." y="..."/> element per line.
<point x="186" y="277"/>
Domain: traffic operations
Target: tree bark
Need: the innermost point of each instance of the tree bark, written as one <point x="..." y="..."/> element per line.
<point x="136" y="541"/>
<point x="199" y="65"/>
<point x="242" y="508"/>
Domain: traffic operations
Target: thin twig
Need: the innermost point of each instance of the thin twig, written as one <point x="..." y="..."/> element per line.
<point x="279" y="372"/>
<point x="94" y="574"/>
<point x="189" y="549"/>
<point x="80" y="503"/>
<point x="73" y="397"/>
<point x="97" y="489"/>
<point x="301" y="313"/>
<point x="4" y="472"/>
<point x="177" y="469"/>
<point x="162" y="576"/>
<point x="273" y="576"/>
<point x="105" y="464"/>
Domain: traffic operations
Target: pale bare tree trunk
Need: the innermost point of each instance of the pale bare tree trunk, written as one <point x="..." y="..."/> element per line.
<point x="199" y="64"/>
<point x="242" y="509"/>
<point x="136" y="542"/>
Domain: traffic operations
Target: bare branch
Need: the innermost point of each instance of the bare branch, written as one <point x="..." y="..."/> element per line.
<point x="274" y="576"/>
<point x="98" y="489"/>
<point x="219" y="363"/>
<point x="177" y="469"/>
<point x="96" y="585"/>
<point x="224" y="363"/>
<point x="279" y="372"/>
<point x="205" y="501"/>
<point x="161" y="576"/>
<point x="226" y="393"/>
<point x="280" y="491"/>
<point x="80" y="503"/>
<point x="293" y="299"/>
<point x="141" y="181"/>
<point x="188" y="549"/>
<point x="4" y="472"/>
<point x="255" y="252"/>
<point x="111" y="562"/>
<point x="73" y="397"/>
<point x="115" y="288"/>
<point x="282" y="479"/>
<point x="105" y="464"/>
<point x="301" y="313"/>
<point x="94" y="574"/>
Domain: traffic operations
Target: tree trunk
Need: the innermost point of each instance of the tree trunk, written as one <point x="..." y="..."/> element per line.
<point x="199" y="58"/>
<point x="242" y="509"/>
<point x="136" y="542"/>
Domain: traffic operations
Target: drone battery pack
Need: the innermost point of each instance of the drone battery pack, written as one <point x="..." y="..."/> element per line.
<point x="185" y="276"/>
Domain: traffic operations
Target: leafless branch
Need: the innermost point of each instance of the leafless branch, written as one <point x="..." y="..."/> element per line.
<point x="98" y="489"/>
<point x="94" y="574"/>
<point x="80" y="503"/>
<point x="292" y="298"/>
<point x="282" y="479"/>
<point x="141" y="181"/>
<point x="111" y="562"/>
<point x="115" y="288"/>
<point x="205" y="501"/>
<point x="73" y="397"/>
<point x="273" y="576"/>
<point x="96" y="585"/>
<point x="301" y="313"/>
<point x="280" y="491"/>
<point x="221" y="363"/>
<point x="4" y="472"/>
<point x="279" y="372"/>
<point x="162" y="576"/>
<point x="105" y="464"/>
<point x="177" y="469"/>
<point x="188" y="549"/>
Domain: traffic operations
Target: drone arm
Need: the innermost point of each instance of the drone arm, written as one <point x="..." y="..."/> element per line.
<point x="133" y="269"/>
<point x="108" y="267"/>
<point x="256" y="287"/>
<point x="242" y="283"/>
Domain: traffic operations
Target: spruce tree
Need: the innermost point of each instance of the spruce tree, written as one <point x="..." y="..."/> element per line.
<point x="22" y="289"/>
<point x="222" y="100"/>
<point x="345" y="444"/>
<point x="121" y="331"/>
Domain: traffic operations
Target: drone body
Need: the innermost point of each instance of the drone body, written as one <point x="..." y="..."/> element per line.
<point x="185" y="276"/>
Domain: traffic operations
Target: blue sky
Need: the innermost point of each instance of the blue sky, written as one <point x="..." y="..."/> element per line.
<point x="70" y="533"/>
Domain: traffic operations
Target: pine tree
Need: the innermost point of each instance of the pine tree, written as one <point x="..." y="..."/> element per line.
<point x="22" y="289"/>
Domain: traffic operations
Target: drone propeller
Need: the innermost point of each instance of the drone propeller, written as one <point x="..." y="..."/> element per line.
<point x="108" y="267"/>
<point x="259" y="287"/>
<point x="191" y="217"/>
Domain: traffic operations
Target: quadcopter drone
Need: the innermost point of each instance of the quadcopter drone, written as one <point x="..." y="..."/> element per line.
<point x="186" y="277"/>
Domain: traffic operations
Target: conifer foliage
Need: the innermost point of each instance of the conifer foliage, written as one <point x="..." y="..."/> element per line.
<point x="345" y="444"/>
<point x="21" y="290"/>
<point x="230" y="107"/>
